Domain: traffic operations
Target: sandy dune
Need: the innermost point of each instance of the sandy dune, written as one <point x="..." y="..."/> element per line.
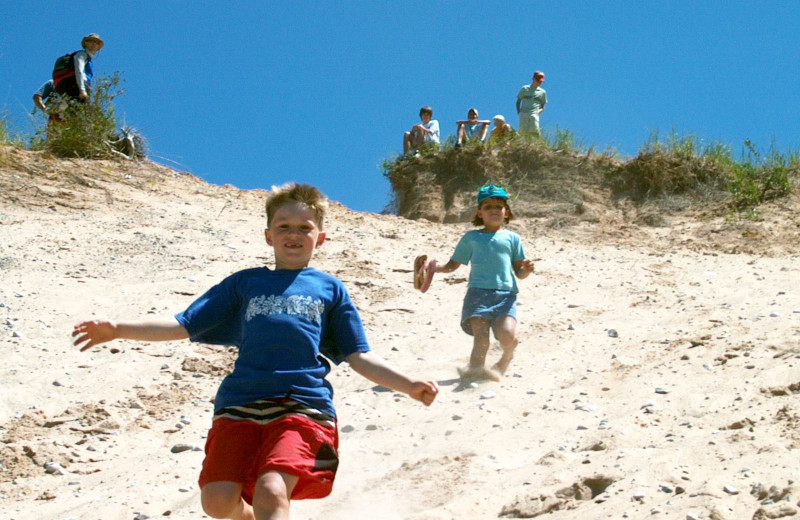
<point x="657" y="376"/>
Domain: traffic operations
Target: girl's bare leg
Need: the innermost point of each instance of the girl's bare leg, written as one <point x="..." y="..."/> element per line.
<point x="480" y="347"/>
<point x="505" y="330"/>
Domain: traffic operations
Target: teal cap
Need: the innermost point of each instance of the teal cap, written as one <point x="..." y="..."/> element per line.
<point x="490" y="191"/>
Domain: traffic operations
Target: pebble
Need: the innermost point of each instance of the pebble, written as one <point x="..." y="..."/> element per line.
<point x="181" y="447"/>
<point x="56" y="383"/>
<point x="730" y="490"/>
<point x="570" y="327"/>
<point x="586" y="407"/>
<point x="692" y="516"/>
<point x="348" y="428"/>
<point x="16" y="334"/>
<point x="186" y="420"/>
<point x="648" y="404"/>
<point x="774" y="315"/>
<point x="55" y="467"/>
<point x="613" y="333"/>
<point x="456" y="417"/>
<point x="796" y="311"/>
<point x="708" y="367"/>
<point x="581" y="427"/>
<point x="371" y="427"/>
<point x="489" y="394"/>
<point x="603" y="425"/>
<point x="662" y="391"/>
<point x="665" y="489"/>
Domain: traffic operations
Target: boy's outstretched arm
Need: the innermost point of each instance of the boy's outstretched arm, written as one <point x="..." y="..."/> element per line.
<point x="96" y="332"/>
<point x="378" y="370"/>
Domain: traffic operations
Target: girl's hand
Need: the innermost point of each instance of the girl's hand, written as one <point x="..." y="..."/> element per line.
<point x="93" y="333"/>
<point x="424" y="391"/>
<point x="523" y="268"/>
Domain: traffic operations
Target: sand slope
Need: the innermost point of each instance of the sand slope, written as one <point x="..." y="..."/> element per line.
<point x="656" y="374"/>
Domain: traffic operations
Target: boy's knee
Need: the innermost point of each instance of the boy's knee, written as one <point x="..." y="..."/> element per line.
<point x="219" y="502"/>
<point x="270" y="493"/>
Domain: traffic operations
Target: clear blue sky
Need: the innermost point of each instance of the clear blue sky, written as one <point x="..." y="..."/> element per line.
<point x="256" y="93"/>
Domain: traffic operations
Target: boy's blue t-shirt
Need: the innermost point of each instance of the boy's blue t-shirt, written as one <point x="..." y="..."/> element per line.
<point x="281" y="321"/>
<point x="492" y="256"/>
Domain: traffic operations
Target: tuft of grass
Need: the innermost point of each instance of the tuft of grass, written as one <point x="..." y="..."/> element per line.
<point x="678" y="165"/>
<point x="758" y="178"/>
<point x="8" y="136"/>
<point x="562" y="140"/>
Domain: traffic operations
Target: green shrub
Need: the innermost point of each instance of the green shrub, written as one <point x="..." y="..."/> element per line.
<point x="756" y="179"/>
<point x="88" y="128"/>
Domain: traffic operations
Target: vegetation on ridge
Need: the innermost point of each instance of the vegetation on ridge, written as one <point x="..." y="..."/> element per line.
<point x="87" y="130"/>
<point x="550" y="175"/>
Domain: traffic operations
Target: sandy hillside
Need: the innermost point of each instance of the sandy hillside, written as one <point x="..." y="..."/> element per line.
<point x="658" y="375"/>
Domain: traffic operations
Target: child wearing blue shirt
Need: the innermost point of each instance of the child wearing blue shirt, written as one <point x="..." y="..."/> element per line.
<point x="497" y="259"/>
<point x="274" y="436"/>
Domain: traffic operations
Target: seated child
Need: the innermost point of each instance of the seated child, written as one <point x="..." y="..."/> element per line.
<point x="424" y="134"/>
<point x="471" y="128"/>
<point x="501" y="132"/>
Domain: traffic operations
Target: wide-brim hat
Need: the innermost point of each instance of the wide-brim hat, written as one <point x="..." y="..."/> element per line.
<point x="491" y="191"/>
<point x="94" y="37"/>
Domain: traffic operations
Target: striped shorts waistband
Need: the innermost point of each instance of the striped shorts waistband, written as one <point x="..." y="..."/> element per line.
<point x="267" y="410"/>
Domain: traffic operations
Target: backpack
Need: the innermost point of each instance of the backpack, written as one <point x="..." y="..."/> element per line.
<point x="64" y="75"/>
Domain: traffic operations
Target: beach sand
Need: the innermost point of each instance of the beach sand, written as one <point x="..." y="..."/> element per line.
<point x="657" y="374"/>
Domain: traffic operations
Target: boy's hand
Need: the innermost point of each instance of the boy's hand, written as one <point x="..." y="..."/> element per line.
<point x="424" y="392"/>
<point x="93" y="333"/>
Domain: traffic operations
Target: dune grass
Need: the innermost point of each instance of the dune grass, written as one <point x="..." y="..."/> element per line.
<point x="672" y="172"/>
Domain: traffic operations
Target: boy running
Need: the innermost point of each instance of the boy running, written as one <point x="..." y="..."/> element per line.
<point x="274" y="436"/>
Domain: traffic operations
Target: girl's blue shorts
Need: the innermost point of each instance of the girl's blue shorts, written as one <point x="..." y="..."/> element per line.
<point x="487" y="304"/>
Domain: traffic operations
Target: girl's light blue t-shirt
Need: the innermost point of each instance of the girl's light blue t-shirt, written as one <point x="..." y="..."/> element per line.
<point x="491" y="256"/>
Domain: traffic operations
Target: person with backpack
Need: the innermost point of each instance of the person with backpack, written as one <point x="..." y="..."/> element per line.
<point x="72" y="73"/>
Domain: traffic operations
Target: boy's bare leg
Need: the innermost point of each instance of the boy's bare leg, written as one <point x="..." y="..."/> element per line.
<point x="272" y="496"/>
<point x="224" y="500"/>
<point x="419" y="138"/>
<point x="406" y="142"/>
<point x="461" y="134"/>
<point x="505" y="329"/>
<point x="484" y="129"/>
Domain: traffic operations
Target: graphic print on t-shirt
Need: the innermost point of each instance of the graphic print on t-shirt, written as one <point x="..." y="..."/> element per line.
<point x="302" y="306"/>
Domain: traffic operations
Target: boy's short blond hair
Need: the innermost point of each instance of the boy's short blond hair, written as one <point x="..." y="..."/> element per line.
<point x="302" y="193"/>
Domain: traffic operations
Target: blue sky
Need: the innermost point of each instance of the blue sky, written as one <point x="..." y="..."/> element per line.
<point x="257" y="93"/>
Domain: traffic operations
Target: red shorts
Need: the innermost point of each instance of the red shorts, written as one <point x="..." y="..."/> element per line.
<point x="242" y="450"/>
